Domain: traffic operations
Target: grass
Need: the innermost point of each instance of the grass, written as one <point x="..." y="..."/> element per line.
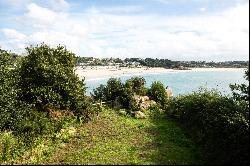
<point x="113" y="139"/>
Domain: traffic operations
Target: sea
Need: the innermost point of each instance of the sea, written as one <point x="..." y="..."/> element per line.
<point x="182" y="83"/>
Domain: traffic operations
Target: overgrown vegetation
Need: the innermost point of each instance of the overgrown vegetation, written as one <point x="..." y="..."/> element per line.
<point x="46" y="76"/>
<point x="157" y="92"/>
<point x="241" y="91"/>
<point x="137" y="85"/>
<point x="122" y="95"/>
<point x="43" y="102"/>
<point x="220" y="124"/>
<point x="114" y="93"/>
<point x="11" y="110"/>
<point x="110" y="139"/>
<point x="38" y="97"/>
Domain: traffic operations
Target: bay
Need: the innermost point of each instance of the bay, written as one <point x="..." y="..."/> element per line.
<point x="184" y="82"/>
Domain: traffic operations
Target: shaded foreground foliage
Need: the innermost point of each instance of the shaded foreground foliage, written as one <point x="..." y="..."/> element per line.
<point x="46" y="76"/>
<point x="40" y="95"/>
<point x="11" y="110"/>
<point x="220" y="124"/>
<point x="241" y="91"/>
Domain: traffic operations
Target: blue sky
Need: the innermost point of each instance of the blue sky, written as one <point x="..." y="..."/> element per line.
<point x="212" y="30"/>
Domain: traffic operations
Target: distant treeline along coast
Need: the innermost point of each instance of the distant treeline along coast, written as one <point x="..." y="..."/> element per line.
<point x="149" y="62"/>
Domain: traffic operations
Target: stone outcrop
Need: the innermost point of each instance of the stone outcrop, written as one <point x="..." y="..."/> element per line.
<point x="139" y="115"/>
<point x="169" y="92"/>
<point x="143" y="101"/>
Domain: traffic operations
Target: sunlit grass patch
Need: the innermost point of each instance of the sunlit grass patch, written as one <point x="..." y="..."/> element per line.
<point x="115" y="139"/>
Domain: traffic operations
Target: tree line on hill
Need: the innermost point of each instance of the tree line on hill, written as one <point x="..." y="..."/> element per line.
<point x="150" y="62"/>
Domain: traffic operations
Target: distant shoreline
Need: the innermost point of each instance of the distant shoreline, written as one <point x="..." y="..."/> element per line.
<point x="103" y="72"/>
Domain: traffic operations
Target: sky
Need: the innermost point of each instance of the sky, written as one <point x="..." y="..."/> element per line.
<point x="200" y="30"/>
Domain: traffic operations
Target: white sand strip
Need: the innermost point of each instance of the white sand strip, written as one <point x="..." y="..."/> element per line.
<point x="102" y="72"/>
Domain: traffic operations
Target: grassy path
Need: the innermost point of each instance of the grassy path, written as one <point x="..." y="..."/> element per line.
<point x="114" y="139"/>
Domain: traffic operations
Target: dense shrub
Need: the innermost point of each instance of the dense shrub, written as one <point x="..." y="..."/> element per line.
<point x="47" y="77"/>
<point x="241" y="91"/>
<point x="217" y="123"/>
<point x="8" y="143"/>
<point x="137" y="85"/>
<point x="12" y="111"/>
<point x="158" y="93"/>
<point x="122" y="95"/>
<point x="43" y="79"/>
<point x="9" y="113"/>
<point x="100" y="93"/>
<point x="116" y="94"/>
<point x="34" y="123"/>
<point x="4" y="86"/>
<point x="114" y="90"/>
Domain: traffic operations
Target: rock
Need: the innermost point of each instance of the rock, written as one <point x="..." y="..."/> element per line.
<point x="143" y="102"/>
<point x="169" y="92"/>
<point x="137" y="99"/>
<point x="139" y="115"/>
<point x="141" y="99"/>
<point x="145" y="105"/>
<point x="146" y="98"/>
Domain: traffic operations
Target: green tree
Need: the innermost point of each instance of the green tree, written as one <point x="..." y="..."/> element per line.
<point x="241" y="91"/>
<point x="137" y="85"/>
<point x="47" y="76"/>
<point x="114" y="90"/>
<point x="11" y="110"/>
<point x="157" y="92"/>
<point x="6" y="91"/>
<point x="100" y="93"/>
<point x="115" y="93"/>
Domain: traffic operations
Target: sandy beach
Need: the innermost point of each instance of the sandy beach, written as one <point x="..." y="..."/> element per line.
<point x="109" y="71"/>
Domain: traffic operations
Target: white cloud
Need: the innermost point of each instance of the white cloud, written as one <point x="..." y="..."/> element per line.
<point x="100" y="33"/>
<point x="128" y="9"/>
<point x="14" y="40"/>
<point x="13" y="34"/>
<point x="121" y="9"/>
<point x="203" y="9"/>
<point x="42" y="16"/>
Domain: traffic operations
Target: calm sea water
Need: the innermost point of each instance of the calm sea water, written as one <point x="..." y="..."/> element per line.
<point x="185" y="82"/>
